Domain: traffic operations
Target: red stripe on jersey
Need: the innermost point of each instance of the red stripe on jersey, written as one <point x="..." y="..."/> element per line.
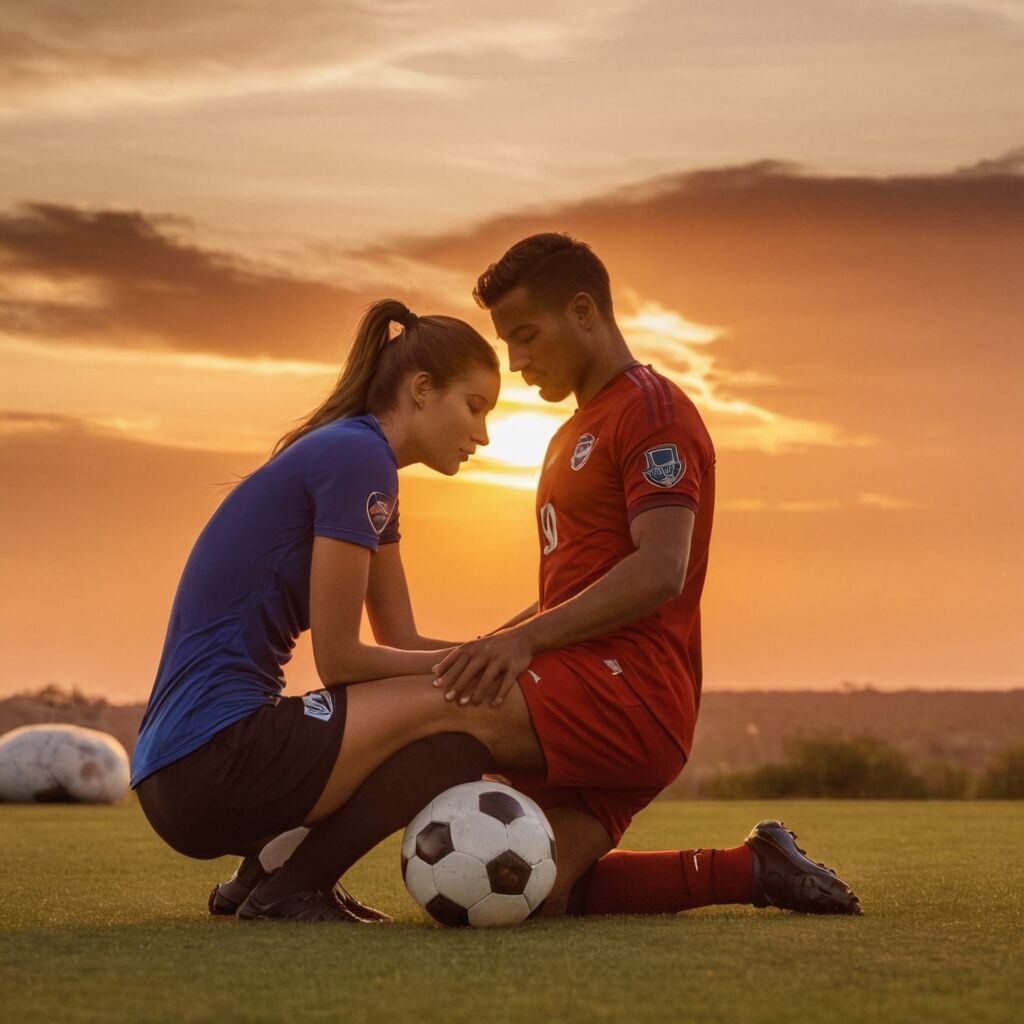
<point x="658" y="402"/>
<point x="642" y="379"/>
<point x="666" y="400"/>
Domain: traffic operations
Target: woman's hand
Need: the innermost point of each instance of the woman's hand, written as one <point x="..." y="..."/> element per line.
<point x="486" y="668"/>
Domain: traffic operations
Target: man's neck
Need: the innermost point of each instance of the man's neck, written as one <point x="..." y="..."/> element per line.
<point x="613" y="358"/>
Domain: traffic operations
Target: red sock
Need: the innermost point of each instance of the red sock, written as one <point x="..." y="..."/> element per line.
<point x="668" y="881"/>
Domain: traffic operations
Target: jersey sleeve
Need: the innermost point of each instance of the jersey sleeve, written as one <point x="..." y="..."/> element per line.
<point x="664" y="451"/>
<point x="353" y="487"/>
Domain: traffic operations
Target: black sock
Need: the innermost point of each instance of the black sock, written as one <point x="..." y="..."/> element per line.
<point x="250" y="871"/>
<point x="390" y="797"/>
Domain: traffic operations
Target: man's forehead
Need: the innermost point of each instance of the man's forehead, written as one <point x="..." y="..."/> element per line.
<point x="514" y="310"/>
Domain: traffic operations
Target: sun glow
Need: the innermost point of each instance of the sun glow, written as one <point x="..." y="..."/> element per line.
<point x="520" y="439"/>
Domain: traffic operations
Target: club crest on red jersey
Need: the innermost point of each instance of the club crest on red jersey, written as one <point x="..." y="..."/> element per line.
<point x="664" y="467"/>
<point x="379" y="507"/>
<point x="584" y="446"/>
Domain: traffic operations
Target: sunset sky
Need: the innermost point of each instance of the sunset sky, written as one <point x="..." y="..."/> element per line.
<point x="813" y="216"/>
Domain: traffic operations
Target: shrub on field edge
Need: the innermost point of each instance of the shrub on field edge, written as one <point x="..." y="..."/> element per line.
<point x="861" y="767"/>
<point x="1003" y="779"/>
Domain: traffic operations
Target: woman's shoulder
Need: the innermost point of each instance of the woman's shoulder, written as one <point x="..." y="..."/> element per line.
<point x="352" y="435"/>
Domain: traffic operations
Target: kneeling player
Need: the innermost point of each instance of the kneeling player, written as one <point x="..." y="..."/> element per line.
<point x="589" y="699"/>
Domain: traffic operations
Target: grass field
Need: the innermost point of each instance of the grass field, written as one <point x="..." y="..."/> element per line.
<point x="101" y="922"/>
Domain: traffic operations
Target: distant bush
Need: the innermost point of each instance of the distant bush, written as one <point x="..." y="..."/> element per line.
<point x="945" y="781"/>
<point x="1003" y="779"/>
<point x="53" y="695"/>
<point x="862" y="767"/>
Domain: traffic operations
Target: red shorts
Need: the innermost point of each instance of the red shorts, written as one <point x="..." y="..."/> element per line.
<point x="606" y="753"/>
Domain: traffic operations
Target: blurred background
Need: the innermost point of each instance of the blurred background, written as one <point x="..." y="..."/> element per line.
<point x="813" y="216"/>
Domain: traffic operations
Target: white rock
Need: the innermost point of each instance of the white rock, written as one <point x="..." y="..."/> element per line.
<point x="46" y="763"/>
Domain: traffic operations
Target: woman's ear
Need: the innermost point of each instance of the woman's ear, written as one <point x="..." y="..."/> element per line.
<point x="420" y="384"/>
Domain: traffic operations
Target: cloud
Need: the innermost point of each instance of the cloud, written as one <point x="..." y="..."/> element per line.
<point x="132" y="280"/>
<point x="886" y="502"/>
<point x="1008" y="164"/>
<point x="16" y="424"/>
<point x="685" y="352"/>
<point x="56" y="57"/>
<point x="751" y="285"/>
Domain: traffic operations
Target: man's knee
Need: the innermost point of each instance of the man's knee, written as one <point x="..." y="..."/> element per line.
<point x="507" y="730"/>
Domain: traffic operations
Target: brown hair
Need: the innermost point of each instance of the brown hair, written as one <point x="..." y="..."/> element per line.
<point x="442" y="346"/>
<point x="553" y="266"/>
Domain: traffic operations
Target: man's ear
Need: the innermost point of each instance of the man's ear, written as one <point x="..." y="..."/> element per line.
<point x="584" y="310"/>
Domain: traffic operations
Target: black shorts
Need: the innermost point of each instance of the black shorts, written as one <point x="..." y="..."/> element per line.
<point x="251" y="781"/>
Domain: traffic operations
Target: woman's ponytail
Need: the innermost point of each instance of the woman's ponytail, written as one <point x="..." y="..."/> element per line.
<point x="351" y="393"/>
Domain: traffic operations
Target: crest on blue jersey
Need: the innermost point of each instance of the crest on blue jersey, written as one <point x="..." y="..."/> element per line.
<point x="584" y="446"/>
<point x="379" y="507"/>
<point x="664" y="467"/>
<point x="318" y="704"/>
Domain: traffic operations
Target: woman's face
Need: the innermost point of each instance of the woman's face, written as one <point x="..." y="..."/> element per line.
<point x="452" y="422"/>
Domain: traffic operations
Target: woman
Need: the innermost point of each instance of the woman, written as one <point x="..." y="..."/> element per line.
<point x="223" y="761"/>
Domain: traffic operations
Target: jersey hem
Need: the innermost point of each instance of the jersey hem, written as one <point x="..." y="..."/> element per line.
<point x="351" y="535"/>
<point x="650" y="501"/>
<point x="191" y="745"/>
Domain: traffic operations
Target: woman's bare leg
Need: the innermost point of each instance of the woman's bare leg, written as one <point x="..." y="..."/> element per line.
<point x="385" y="715"/>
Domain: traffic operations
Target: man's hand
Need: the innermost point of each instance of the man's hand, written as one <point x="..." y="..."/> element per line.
<point x="486" y="668"/>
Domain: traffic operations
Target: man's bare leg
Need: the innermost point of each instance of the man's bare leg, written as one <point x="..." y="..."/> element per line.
<point x="581" y="841"/>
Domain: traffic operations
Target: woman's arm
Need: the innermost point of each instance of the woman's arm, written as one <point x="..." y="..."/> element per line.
<point x="338" y="586"/>
<point x="389" y="607"/>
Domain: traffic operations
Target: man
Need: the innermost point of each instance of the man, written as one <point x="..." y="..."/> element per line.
<point x="625" y="506"/>
<point x="588" y="699"/>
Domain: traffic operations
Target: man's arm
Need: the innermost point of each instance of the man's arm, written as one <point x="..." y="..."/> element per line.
<point x="527" y="613"/>
<point x="632" y="589"/>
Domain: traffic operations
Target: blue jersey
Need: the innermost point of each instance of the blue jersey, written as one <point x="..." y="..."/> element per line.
<point x="243" y="598"/>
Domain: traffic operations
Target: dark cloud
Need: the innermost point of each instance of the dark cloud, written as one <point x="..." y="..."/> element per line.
<point x="153" y="286"/>
<point x="809" y="274"/>
<point x="12" y="418"/>
<point x="902" y="293"/>
<point x="1009" y="163"/>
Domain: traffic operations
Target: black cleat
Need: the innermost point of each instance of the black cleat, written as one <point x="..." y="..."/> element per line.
<point x="786" y="878"/>
<point x="368" y="915"/>
<point x="227" y="897"/>
<point x="311" y="906"/>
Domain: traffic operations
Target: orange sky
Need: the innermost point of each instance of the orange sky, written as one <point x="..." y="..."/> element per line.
<point x="851" y="336"/>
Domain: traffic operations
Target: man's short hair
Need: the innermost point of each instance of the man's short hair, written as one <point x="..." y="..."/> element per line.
<point x="553" y="266"/>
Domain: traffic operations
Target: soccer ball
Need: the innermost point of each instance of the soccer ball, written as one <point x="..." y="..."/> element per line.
<point x="66" y="763"/>
<point x="481" y="854"/>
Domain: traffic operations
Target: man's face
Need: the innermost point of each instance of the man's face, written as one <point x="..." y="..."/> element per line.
<point x="546" y="346"/>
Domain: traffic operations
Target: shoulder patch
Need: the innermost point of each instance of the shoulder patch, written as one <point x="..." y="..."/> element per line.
<point x="379" y="507"/>
<point x="584" y="446"/>
<point x="663" y="466"/>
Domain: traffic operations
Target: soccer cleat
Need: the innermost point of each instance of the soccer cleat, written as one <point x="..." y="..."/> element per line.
<point x="227" y="897"/>
<point x="312" y="906"/>
<point x="368" y="915"/>
<point x="786" y="878"/>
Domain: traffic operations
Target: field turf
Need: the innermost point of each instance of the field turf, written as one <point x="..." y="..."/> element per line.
<point x="100" y="922"/>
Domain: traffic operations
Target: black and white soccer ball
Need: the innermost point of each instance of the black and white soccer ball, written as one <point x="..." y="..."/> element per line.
<point x="480" y="854"/>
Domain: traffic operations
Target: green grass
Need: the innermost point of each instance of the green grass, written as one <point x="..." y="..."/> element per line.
<point x="99" y="921"/>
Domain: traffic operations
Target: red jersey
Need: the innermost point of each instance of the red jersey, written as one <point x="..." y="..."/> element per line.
<point x="638" y="444"/>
